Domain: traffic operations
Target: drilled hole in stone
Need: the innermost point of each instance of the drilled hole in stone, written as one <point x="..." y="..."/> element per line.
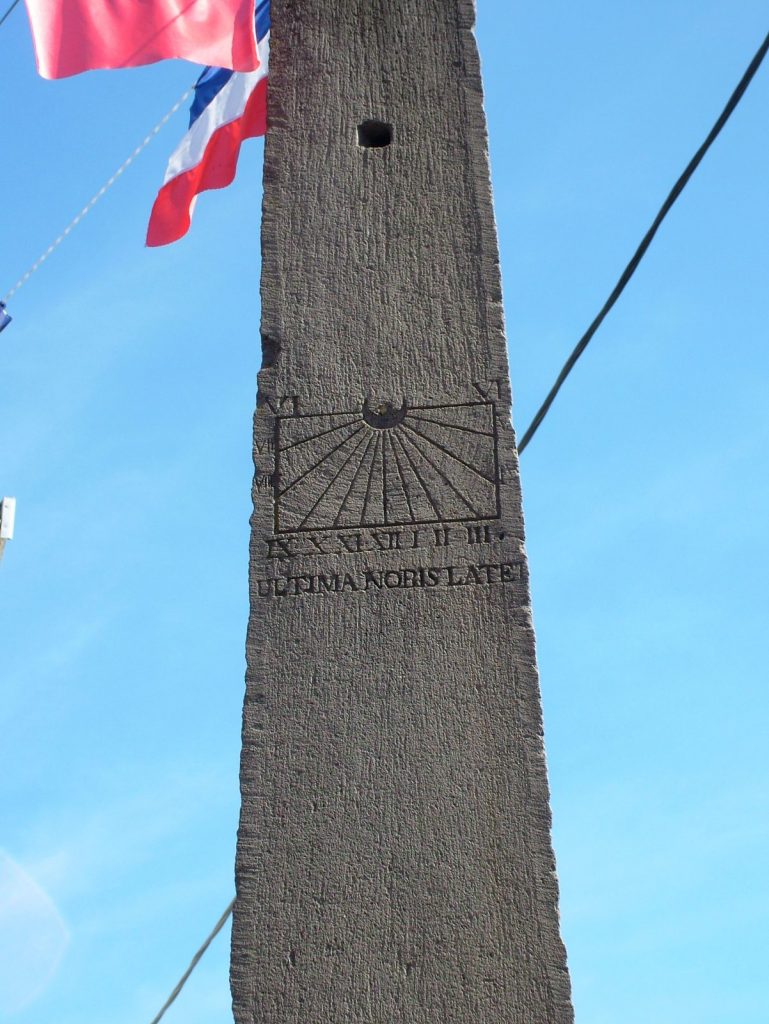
<point x="375" y="134"/>
<point x="270" y="351"/>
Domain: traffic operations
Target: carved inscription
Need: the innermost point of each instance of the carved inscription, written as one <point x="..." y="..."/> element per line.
<point x="363" y="580"/>
<point x="485" y="387"/>
<point x="384" y="466"/>
<point x="282" y="405"/>
<point x="404" y="539"/>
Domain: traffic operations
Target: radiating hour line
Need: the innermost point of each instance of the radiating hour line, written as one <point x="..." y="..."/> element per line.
<point x="447" y="451"/>
<point x="356" y="477"/>
<point x="451" y="426"/>
<point x="334" y="479"/>
<point x="370" y="481"/>
<point x="314" y="437"/>
<point x="440" y="473"/>
<point x="420" y="481"/>
<point x="402" y="478"/>
<point x="360" y="462"/>
<point x="320" y="463"/>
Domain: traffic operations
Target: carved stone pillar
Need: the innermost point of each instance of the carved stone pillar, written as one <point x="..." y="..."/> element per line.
<point x="394" y="857"/>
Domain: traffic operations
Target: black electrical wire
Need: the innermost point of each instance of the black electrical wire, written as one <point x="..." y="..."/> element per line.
<point x="630" y="269"/>
<point x="9" y="11"/>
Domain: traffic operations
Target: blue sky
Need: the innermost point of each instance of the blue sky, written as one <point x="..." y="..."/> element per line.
<point x="127" y="390"/>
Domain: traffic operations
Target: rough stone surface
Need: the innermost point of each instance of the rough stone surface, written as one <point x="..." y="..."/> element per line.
<point x="394" y="858"/>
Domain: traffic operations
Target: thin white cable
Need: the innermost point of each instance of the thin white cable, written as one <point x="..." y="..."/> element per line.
<point x="194" y="963"/>
<point x="95" y="199"/>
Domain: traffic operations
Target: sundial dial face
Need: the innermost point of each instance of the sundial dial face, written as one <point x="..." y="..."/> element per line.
<point x="386" y="465"/>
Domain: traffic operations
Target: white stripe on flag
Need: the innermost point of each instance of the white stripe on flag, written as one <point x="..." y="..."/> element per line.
<point x="227" y="106"/>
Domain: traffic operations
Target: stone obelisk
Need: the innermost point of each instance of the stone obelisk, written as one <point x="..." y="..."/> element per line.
<point x="394" y="859"/>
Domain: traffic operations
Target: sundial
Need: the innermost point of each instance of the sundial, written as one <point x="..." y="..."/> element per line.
<point x="386" y="464"/>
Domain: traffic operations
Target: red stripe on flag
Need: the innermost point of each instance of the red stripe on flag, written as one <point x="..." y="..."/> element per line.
<point x="71" y="36"/>
<point x="170" y="217"/>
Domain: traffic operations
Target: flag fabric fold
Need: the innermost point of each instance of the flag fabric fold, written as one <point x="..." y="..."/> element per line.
<point x="228" y="108"/>
<point x="71" y="36"/>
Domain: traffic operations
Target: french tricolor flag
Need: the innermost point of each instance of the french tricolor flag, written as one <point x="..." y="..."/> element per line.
<point x="229" y="106"/>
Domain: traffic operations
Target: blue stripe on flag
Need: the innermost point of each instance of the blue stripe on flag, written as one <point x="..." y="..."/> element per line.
<point x="207" y="87"/>
<point x="262" y="19"/>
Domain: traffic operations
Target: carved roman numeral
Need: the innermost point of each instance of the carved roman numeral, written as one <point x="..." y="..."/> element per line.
<point x="283" y="405"/>
<point x="485" y="388"/>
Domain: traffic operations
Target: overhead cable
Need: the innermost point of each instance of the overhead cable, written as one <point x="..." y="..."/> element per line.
<point x="194" y="962"/>
<point x="94" y="199"/>
<point x="10" y="9"/>
<point x="630" y="269"/>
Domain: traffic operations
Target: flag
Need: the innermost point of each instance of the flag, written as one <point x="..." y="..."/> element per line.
<point x="5" y="319"/>
<point x="228" y="108"/>
<point x="71" y="36"/>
